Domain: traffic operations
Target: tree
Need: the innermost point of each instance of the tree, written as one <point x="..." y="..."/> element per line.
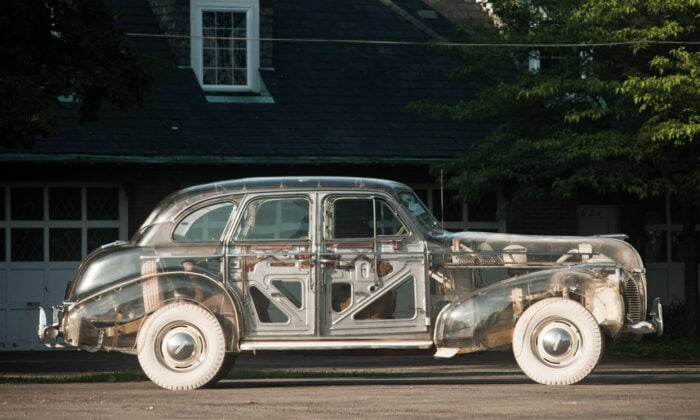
<point x="613" y="106"/>
<point x="69" y="48"/>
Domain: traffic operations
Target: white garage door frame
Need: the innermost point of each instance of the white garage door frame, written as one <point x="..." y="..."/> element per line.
<point x="45" y="230"/>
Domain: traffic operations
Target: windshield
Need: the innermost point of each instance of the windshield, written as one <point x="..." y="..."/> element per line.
<point x="419" y="212"/>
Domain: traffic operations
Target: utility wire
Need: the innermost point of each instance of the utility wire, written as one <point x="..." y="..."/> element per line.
<point x="422" y="43"/>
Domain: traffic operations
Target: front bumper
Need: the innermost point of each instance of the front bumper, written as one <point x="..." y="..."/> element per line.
<point x="655" y="323"/>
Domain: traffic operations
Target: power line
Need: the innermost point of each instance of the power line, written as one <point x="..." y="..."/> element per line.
<point x="422" y="43"/>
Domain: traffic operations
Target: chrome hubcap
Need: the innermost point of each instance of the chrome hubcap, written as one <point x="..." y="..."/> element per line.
<point x="181" y="347"/>
<point x="557" y="343"/>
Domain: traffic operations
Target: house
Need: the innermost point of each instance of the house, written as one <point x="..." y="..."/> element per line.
<point x="305" y="88"/>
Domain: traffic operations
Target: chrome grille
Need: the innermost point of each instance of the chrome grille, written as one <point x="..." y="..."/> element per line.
<point x="633" y="300"/>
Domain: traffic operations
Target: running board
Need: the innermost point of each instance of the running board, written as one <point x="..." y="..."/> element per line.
<point x="335" y="344"/>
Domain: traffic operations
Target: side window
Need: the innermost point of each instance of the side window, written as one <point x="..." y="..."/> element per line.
<point x="275" y="219"/>
<point x="205" y="224"/>
<point x="387" y="222"/>
<point x="355" y="218"/>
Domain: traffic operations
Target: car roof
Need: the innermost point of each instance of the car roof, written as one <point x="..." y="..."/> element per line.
<point x="173" y="204"/>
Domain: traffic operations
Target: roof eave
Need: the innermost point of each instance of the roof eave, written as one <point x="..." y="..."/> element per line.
<point x="215" y="160"/>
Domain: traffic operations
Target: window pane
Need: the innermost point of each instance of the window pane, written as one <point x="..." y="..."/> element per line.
<point x="27" y="203"/>
<point x="209" y="58"/>
<point x="677" y="249"/>
<point x="239" y="20"/>
<point x="2" y="245"/>
<point x="240" y="77"/>
<point x="2" y="204"/>
<point x="64" y="244"/>
<point x="209" y="77"/>
<point x="103" y="204"/>
<point x="224" y="77"/>
<point x="223" y="20"/>
<point x="206" y="224"/>
<point x="209" y="19"/>
<point x="655" y="246"/>
<point x="353" y="218"/>
<point x="223" y="39"/>
<point x="96" y="237"/>
<point x="224" y="59"/>
<point x="64" y="204"/>
<point x="27" y="244"/>
<point x="387" y="222"/>
<point x="275" y="219"/>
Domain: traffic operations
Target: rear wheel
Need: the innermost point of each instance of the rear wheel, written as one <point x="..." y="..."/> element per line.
<point x="182" y="346"/>
<point x="557" y="342"/>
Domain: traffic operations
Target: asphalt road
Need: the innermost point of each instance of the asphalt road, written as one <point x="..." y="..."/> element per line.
<point x="472" y="386"/>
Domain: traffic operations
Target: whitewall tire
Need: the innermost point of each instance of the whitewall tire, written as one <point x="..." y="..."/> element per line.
<point x="182" y="346"/>
<point x="557" y="342"/>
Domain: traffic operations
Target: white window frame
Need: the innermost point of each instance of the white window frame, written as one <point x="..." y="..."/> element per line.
<point x="252" y="10"/>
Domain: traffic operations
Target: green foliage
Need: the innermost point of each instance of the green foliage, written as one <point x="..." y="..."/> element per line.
<point x="612" y="117"/>
<point x="614" y="105"/>
<point x="64" y="48"/>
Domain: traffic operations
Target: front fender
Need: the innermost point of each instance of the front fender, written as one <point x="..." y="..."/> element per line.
<point x="484" y="319"/>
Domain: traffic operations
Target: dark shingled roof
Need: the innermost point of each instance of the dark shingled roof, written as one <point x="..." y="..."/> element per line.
<point x="344" y="102"/>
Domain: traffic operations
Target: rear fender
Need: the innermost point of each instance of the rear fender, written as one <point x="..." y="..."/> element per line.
<point x="112" y="318"/>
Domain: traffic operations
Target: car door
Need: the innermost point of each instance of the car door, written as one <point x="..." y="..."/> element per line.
<point x="371" y="269"/>
<point x="269" y="262"/>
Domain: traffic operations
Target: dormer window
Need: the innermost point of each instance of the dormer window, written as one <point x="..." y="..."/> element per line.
<point x="225" y="44"/>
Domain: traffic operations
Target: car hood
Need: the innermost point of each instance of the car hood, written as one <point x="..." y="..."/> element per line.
<point x="510" y="249"/>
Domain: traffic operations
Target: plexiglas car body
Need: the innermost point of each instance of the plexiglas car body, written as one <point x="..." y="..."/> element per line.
<point x="343" y="263"/>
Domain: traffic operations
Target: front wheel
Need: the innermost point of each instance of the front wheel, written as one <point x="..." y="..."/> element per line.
<point x="182" y="346"/>
<point x="557" y="342"/>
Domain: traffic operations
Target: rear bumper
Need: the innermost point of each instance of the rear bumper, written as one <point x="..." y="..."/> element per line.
<point x="50" y="333"/>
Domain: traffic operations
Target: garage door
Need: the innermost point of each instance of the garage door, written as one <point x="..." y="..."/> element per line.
<point x="45" y="230"/>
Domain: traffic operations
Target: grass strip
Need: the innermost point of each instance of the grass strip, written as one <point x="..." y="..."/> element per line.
<point x="664" y="349"/>
<point x="137" y="376"/>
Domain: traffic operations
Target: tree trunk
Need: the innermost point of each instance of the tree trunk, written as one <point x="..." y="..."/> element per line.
<point x="690" y="289"/>
<point x="689" y="213"/>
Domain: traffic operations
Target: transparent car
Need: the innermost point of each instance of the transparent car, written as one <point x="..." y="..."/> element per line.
<point x="331" y="263"/>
